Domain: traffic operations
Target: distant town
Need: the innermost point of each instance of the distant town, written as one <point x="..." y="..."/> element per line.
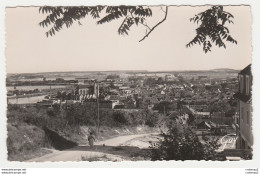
<point x="210" y="101"/>
<point x="130" y="90"/>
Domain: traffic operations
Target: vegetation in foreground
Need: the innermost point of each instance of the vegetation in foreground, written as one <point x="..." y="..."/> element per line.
<point x="30" y="129"/>
<point x="33" y="128"/>
<point x="24" y="140"/>
<point x="181" y="143"/>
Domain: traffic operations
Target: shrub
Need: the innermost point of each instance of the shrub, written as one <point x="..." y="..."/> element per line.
<point x="180" y="143"/>
<point x="120" y="118"/>
<point x="151" y="119"/>
<point x="54" y="110"/>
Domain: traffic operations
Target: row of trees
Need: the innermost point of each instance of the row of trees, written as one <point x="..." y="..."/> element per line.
<point x="153" y="82"/>
<point x="78" y="114"/>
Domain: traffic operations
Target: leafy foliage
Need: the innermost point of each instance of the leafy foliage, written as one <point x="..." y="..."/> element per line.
<point x="60" y="16"/>
<point x="164" y="106"/>
<point x="212" y="28"/>
<point x="180" y="143"/>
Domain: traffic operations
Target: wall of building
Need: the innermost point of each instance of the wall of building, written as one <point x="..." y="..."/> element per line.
<point x="246" y="123"/>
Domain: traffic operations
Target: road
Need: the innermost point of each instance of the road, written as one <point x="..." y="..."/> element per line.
<point x="115" y="149"/>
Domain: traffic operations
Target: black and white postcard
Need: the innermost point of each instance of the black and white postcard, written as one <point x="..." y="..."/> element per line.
<point x="129" y="83"/>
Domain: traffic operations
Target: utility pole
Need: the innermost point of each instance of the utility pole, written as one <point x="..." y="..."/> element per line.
<point x="164" y="111"/>
<point x="98" y="107"/>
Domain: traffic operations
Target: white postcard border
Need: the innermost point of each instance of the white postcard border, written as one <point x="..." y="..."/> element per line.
<point x="255" y="7"/>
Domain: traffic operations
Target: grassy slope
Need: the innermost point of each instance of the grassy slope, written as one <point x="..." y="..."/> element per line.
<point x="24" y="142"/>
<point x="27" y="136"/>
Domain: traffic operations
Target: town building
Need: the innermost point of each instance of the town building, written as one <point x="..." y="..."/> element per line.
<point x="244" y="123"/>
<point x="86" y="89"/>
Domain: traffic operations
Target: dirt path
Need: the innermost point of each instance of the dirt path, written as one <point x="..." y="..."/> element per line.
<point x="115" y="149"/>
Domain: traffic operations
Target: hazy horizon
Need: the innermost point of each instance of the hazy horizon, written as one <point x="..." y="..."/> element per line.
<point x="92" y="47"/>
<point x="148" y="71"/>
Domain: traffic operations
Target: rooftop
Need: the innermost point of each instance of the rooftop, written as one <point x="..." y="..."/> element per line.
<point x="242" y="97"/>
<point x="246" y="70"/>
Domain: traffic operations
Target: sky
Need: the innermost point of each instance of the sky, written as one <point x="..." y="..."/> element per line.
<point x="92" y="47"/>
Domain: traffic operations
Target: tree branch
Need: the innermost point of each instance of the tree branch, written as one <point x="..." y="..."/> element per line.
<point x="145" y="25"/>
<point x="166" y="12"/>
<point x="163" y="10"/>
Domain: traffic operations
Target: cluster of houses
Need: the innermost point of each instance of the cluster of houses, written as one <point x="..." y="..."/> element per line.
<point x="241" y="120"/>
<point x="196" y="96"/>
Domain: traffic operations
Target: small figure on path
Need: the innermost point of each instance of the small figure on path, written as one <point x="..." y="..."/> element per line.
<point x="91" y="139"/>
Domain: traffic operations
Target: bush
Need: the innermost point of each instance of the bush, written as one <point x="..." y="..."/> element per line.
<point x="50" y="112"/>
<point x="54" y="110"/>
<point x="180" y="143"/>
<point x="151" y="120"/>
<point x="120" y="118"/>
<point x="165" y="106"/>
